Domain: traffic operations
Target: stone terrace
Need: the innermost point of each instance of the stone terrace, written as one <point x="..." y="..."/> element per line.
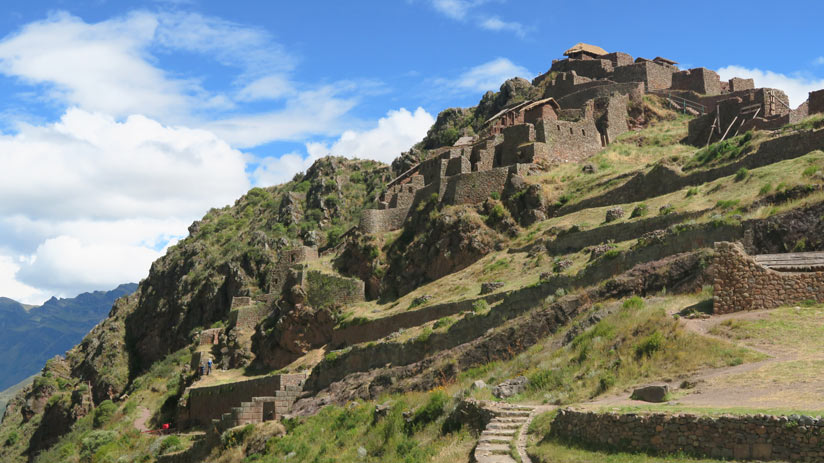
<point x="743" y="282"/>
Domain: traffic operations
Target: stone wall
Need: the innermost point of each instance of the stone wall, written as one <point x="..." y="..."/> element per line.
<point x="655" y="76"/>
<point x="740" y="283"/>
<point x="382" y="220"/>
<point x="569" y="140"/>
<point x="247" y="317"/>
<point x="208" y="403"/>
<point x="737" y="84"/>
<point x="760" y="437"/>
<point x="699" y="80"/>
<point x="635" y="90"/>
<point x="816" y="102"/>
<point x="594" y="68"/>
<point x="210" y="336"/>
<point x="475" y="187"/>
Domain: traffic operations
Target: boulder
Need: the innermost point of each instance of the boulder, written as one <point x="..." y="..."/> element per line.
<point x="491" y="286"/>
<point x="614" y="213"/>
<point x="510" y="387"/>
<point x="655" y="394"/>
<point x="479" y="384"/>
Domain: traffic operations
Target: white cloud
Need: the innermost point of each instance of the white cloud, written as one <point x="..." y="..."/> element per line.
<point x="88" y="202"/>
<point x="395" y="133"/>
<point x="274" y="171"/>
<point x="100" y="67"/>
<point x="486" y="76"/>
<point x="67" y="265"/>
<point x="11" y="288"/>
<point x="314" y="112"/>
<point x="271" y="87"/>
<point x="819" y="61"/>
<point x="797" y="88"/>
<point x="455" y="9"/>
<point x="496" y="24"/>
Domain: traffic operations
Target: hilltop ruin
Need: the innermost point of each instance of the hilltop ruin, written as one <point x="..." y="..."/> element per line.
<point x="585" y="105"/>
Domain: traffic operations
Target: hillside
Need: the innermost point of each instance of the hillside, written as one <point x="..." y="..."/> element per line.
<point x="497" y="295"/>
<point x="34" y="334"/>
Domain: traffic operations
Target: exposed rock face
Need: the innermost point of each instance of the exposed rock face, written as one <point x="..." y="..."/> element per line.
<point x="470" y="413"/>
<point x="295" y="332"/>
<point x="491" y="287"/>
<point x="510" y="387"/>
<point x="452" y="240"/>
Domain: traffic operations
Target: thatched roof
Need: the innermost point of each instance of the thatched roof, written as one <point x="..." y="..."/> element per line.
<point x="550" y="101"/>
<point x="585" y="48"/>
<point x="658" y="59"/>
<point x="506" y="110"/>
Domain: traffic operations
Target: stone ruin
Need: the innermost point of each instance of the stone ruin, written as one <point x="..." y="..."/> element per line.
<point x="584" y="107"/>
<point x="743" y="282"/>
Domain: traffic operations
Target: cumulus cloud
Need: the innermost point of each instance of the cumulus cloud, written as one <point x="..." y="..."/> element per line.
<point x="11" y="288"/>
<point x="395" y="133"/>
<point x="796" y="87"/>
<point x="88" y="202"/>
<point x="462" y="10"/>
<point x="67" y="265"/>
<point x="486" y="76"/>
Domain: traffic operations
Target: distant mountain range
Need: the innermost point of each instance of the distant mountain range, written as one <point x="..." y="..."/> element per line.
<point x="30" y="335"/>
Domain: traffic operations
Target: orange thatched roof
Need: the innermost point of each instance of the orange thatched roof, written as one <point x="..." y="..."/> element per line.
<point x="585" y="48"/>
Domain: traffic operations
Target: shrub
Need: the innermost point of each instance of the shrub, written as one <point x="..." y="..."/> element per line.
<point x="639" y="211"/>
<point x="95" y="440"/>
<point x="429" y="412"/>
<point x="170" y="444"/>
<point x="635" y="302"/>
<point x="810" y="171"/>
<point x="12" y="438"/>
<point x="650" y="345"/>
<point x="424" y="336"/>
<point x="605" y="382"/>
<point x="480" y="306"/>
<point x="443" y="323"/>
<point x="692" y="191"/>
<point x="218" y="324"/>
<point x="765" y="189"/>
<point x="741" y="174"/>
<point x="543" y="380"/>
<point x="103" y="413"/>
<point x="495" y="195"/>
<point x="236" y="437"/>
<point x="612" y="254"/>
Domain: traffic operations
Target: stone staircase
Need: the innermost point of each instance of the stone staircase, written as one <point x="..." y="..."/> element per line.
<point x="506" y="431"/>
<point x="260" y="409"/>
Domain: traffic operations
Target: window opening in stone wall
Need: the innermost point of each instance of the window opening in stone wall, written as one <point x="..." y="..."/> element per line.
<point x="583" y="132"/>
<point x="570" y="130"/>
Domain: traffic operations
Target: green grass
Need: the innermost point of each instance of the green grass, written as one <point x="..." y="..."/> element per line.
<point x="335" y="434"/>
<point x="637" y="343"/>
<point x="799" y="330"/>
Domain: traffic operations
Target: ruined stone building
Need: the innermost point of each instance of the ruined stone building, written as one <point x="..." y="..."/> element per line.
<point x="584" y="107"/>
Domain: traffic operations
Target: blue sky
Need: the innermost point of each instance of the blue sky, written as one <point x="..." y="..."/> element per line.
<point x="121" y="122"/>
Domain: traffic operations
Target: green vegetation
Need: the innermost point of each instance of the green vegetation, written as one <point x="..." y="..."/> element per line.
<point x="639" y="211"/>
<point x="721" y="152"/>
<point x="741" y="174"/>
<point x="356" y="434"/>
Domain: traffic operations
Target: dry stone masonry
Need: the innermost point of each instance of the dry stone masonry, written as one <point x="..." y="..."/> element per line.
<point x="743" y="282"/>
<point x="243" y="402"/>
<point x="584" y="106"/>
<point x="746" y="437"/>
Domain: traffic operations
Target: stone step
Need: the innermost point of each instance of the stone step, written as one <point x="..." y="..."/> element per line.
<point x="517" y="419"/>
<point x="499" y="432"/>
<point x="511" y="413"/>
<point x="503" y="425"/>
<point x="492" y="449"/>
<point x="494" y="459"/>
<point x="495" y="439"/>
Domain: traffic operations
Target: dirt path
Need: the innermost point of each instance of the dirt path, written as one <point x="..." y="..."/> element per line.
<point x="143" y="415"/>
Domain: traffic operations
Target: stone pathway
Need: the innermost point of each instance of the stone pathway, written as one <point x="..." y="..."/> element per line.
<point x="505" y="431"/>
